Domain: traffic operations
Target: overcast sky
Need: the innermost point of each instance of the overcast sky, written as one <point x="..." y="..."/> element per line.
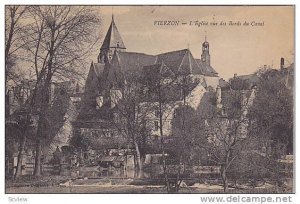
<point x="233" y="49"/>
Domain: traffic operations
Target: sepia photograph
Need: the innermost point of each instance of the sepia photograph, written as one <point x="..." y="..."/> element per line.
<point x="149" y="99"/>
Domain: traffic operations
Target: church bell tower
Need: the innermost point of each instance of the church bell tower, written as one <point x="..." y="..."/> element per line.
<point x="205" y="56"/>
<point x="112" y="42"/>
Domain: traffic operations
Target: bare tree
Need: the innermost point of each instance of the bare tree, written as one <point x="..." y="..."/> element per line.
<point x="161" y="88"/>
<point x="59" y="39"/>
<point x="15" y="25"/>
<point x="226" y="132"/>
<point x="130" y="119"/>
<point x="184" y="123"/>
<point x="24" y="127"/>
<point x="14" y="28"/>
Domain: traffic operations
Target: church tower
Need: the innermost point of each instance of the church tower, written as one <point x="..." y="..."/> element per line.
<point x="205" y="56"/>
<point x="112" y="42"/>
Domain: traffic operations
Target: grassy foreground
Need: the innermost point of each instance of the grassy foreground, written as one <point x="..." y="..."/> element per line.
<point x="62" y="185"/>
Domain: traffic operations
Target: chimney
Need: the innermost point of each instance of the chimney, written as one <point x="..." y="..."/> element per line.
<point x="282" y="63"/>
<point x="235" y="75"/>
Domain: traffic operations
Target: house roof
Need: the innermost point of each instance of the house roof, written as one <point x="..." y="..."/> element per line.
<point x="223" y="84"/>
<point x="113" y="38"/>
<point x="244" y="82"/>
<point x="250" y="77"/>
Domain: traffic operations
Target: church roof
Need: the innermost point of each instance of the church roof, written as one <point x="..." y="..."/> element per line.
<point x="113" y="38"/>
<point x="158" y="69"/>
<point x="180" y="62"/>
<point x="113" y="74"/>
<point x="175" y="62"/>
<point x="207" y="70"/>
<point x="98" y="68"/>
<point x="124" y="64"/>
<point x="95" y="76"/>
<point x="134" y="62"/>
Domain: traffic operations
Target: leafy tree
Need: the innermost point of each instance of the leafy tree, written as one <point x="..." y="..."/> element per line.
<point x="272" y="112"/>
<point x="239" y="84"/>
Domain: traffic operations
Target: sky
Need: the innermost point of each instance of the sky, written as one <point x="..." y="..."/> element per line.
<point x="233" y="49"/>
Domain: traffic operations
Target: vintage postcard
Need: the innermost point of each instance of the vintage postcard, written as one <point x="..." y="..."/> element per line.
<point x="149" y="99"/>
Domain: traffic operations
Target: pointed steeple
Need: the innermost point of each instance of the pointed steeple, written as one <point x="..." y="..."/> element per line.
<point x="113" y="38"/>
<point x="112" y="41"/>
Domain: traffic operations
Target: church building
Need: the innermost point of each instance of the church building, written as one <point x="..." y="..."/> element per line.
<point x="108" y="77"/>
